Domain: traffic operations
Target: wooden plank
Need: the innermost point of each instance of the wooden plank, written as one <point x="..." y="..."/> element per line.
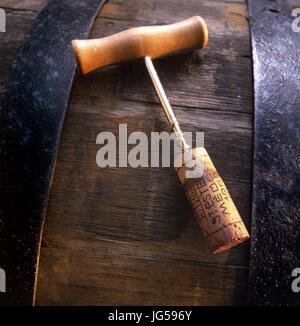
<point x="157" y="11"/>
<point x="31" y="5"/>
<point x="112" y="7"/>
<point x="218" y="77"/>
<point x="89" y="278"/>
<point x="132" y="206"/>
<point x="131" y="212"/>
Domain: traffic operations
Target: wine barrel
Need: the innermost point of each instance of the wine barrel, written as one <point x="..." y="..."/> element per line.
<point x="127" y="236"/>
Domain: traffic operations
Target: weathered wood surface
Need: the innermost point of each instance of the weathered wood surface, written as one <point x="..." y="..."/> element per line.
<point x="128" y="236"/>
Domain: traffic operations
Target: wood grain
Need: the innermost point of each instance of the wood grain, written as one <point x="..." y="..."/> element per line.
<point x="128" y="236"/>
<point x="128" y="8"/>
<point x="218" y="77"/>
<point x="111" y="200"/>
<point x="90" y="278"/>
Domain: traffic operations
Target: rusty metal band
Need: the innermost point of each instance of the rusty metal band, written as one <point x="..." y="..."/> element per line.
<point x="275" y="246"/>
<point x="33" y="104"/>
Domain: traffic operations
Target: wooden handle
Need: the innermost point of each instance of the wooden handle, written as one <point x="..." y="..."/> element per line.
<point x="215" y="211"/>
<point x="134" y="43"/>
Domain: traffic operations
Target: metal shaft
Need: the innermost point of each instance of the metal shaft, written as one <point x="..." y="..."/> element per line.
<point x="166" y="105"/>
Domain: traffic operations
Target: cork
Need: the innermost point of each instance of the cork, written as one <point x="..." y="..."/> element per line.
<point x="216" y="214"/>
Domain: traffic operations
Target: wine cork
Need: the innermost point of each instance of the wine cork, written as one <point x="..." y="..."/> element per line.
<point x="214" y="209"/>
